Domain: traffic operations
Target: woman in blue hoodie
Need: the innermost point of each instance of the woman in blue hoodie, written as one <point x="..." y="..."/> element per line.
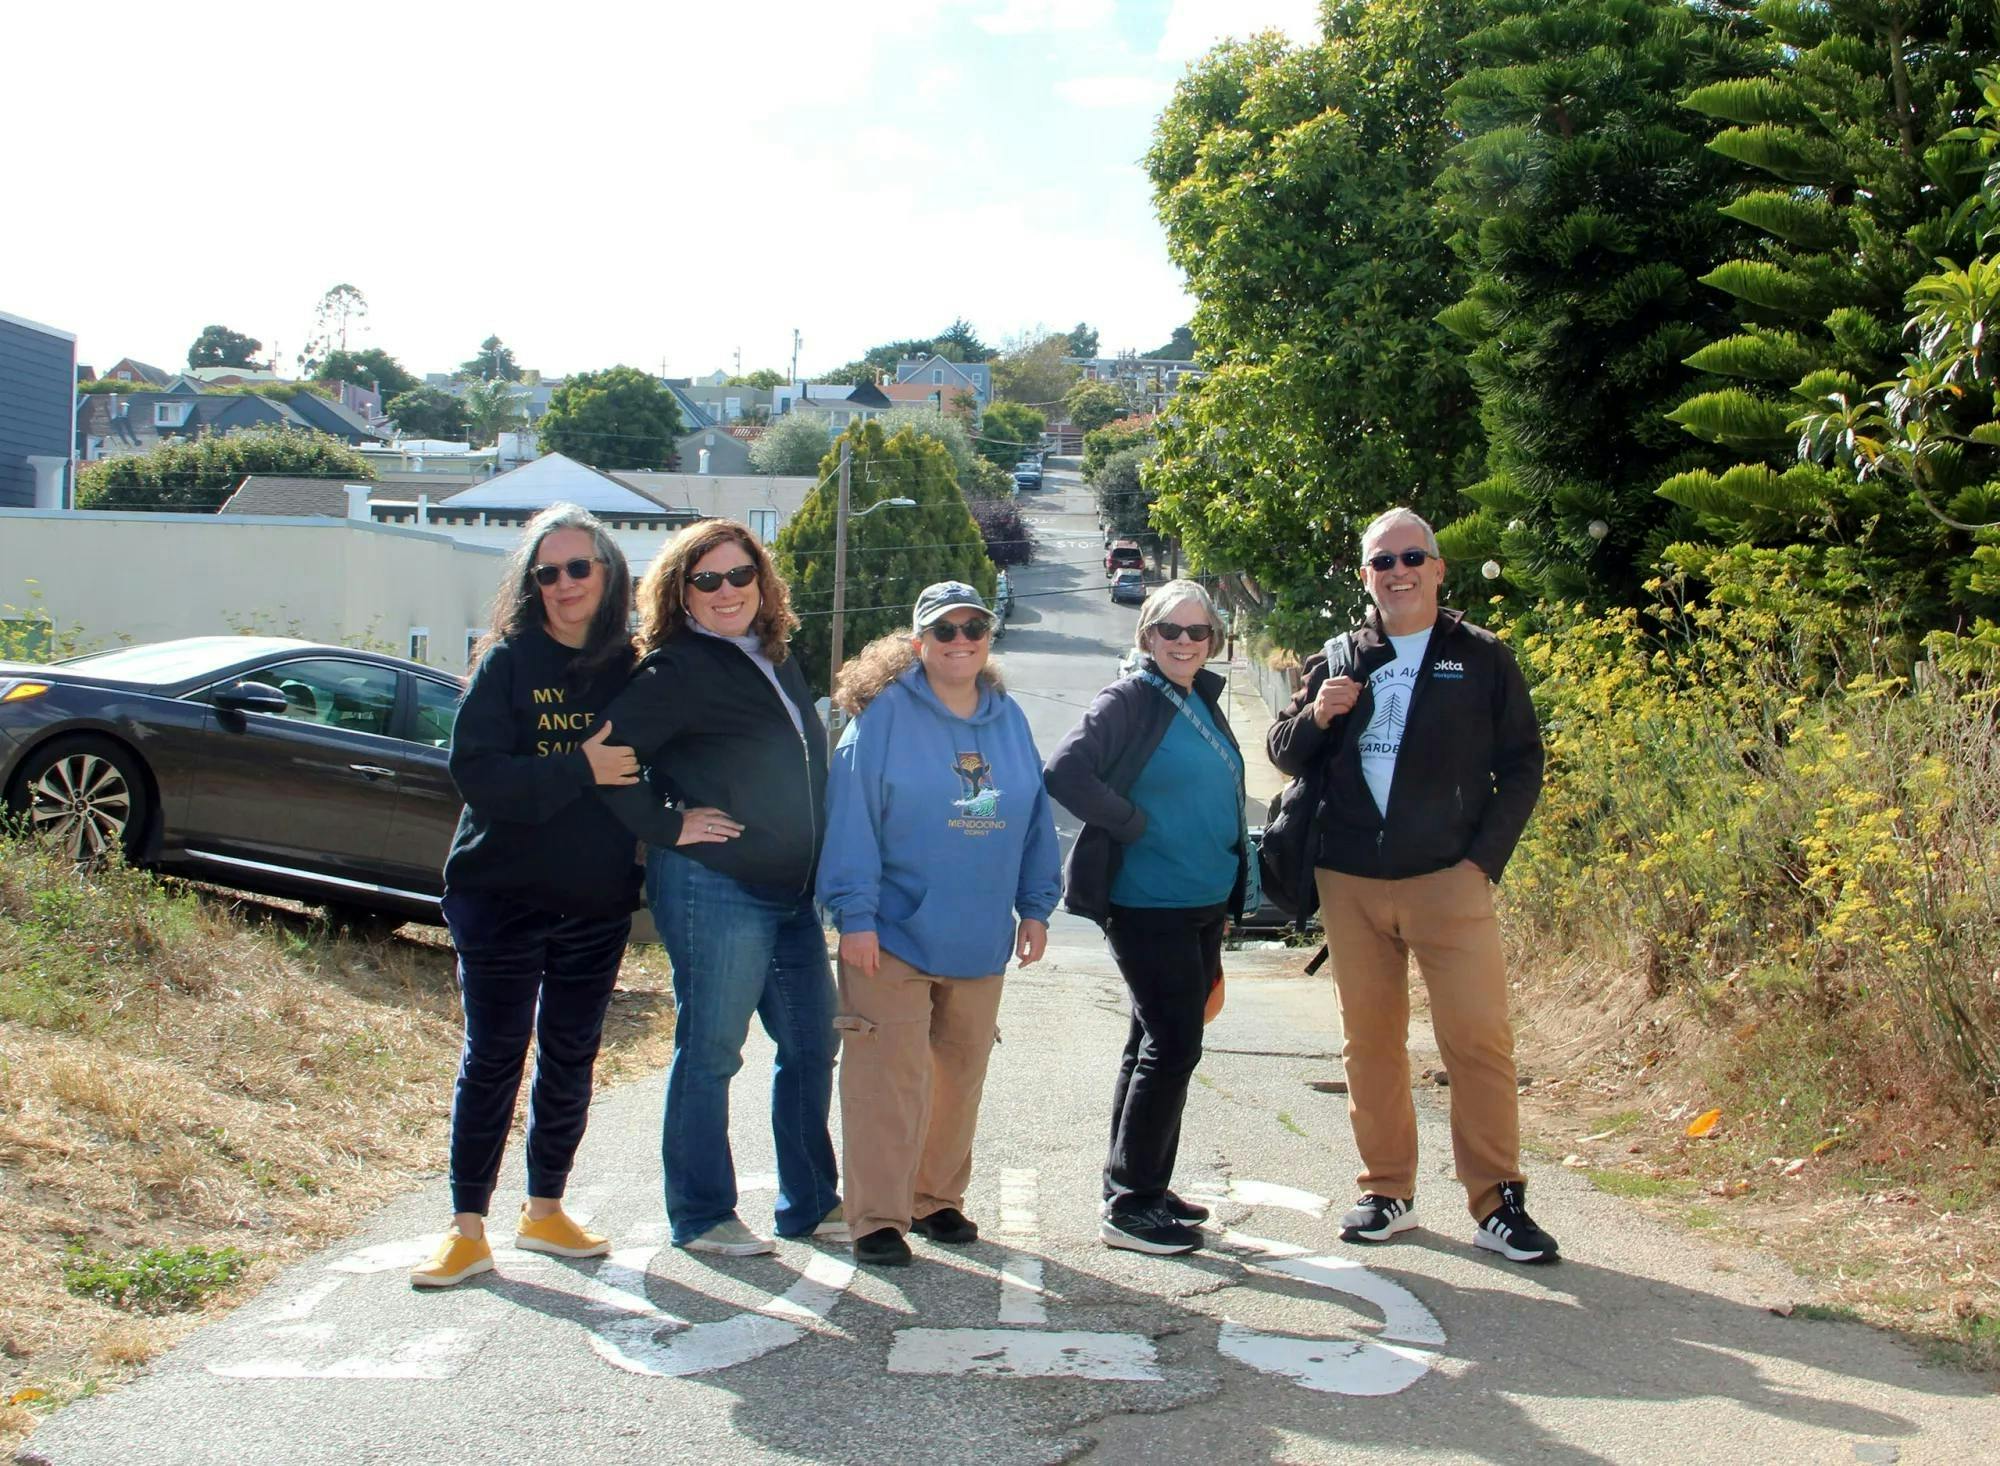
<point x="939" y="835"/>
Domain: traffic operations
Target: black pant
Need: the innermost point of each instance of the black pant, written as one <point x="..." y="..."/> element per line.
<point x="1168" y="957"/>
<point x="526" y="974"/>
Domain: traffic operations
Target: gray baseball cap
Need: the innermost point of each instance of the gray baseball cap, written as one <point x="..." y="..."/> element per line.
<point x="946" y="595"/>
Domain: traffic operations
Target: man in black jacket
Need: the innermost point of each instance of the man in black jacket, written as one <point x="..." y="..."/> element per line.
<point x="1419" y="734"/>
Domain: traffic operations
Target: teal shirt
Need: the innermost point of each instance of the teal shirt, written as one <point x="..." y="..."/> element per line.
<point x="1187" y="857"/>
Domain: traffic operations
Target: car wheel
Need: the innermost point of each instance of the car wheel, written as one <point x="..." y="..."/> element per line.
<point x="362" y="923"/>
<point x="86" y="796"/>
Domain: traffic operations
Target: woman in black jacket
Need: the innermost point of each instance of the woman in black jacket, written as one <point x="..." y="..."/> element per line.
<point x="1162" y="863"/>
<point x="540" y="882"/>
<point x="722" y="715"/>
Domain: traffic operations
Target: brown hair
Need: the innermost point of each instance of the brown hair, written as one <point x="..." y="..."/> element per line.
<point x="517" y="606"/>
<point x="881" y="662"/>
<point x="663" y="593"/>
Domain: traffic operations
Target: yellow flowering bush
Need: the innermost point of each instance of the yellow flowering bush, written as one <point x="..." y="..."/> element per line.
<point x="1743" y="800"/>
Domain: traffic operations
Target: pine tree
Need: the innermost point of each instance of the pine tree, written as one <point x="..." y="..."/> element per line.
<point x="891" y="554"/>
<point x="1586" y="206"/>
<point x="1861" y="189"/>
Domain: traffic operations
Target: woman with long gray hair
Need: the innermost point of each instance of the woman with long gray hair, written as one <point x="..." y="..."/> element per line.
<point x="540" y="883"/>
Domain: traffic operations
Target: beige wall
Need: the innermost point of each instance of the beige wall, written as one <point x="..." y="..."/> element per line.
<point x="152" y="577"/>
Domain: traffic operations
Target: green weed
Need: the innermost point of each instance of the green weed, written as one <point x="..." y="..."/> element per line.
<point x="158" y="1280"/>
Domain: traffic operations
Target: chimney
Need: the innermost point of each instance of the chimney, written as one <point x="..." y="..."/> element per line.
<point x="357" y="503"/>
<point x="423" y="510"/>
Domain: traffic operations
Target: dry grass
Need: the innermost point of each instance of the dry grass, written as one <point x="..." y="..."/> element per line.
<point x="181" y="1070"/>
<point x="1829" y="1153"/>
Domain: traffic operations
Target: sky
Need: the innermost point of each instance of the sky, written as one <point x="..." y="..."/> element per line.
<point x="660" y="185"/>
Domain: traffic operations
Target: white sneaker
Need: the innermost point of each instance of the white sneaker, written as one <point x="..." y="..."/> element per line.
<point x="729" y="1238"/>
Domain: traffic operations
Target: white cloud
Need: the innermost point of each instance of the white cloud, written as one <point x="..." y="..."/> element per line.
<point x="1032" y="17"/>
<point x="1194" y="26"/>
<point x="1120" y="93"/>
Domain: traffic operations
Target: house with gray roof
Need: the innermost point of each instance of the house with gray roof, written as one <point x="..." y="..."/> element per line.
<point x="975" y="377"/>
<point x="120" y="424"/>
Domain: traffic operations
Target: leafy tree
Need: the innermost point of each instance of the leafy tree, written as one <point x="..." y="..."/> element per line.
<point x="1295" y="186"/>
<point x="617" y="418"/>
<point x="201" y="472"/>
<point x="427" y="412"/>
<point x="1587" y="206"/>
<point x="337" y="312"/>
<point x="219" y="346"/>
<point x="1034" y="372"/>
<point x="1008" y="430"/>
<point x="1004" y="530"/>
<point x="494" y="363"/>
<point x="1864" y="179"/>
<point x="1091" y="405"/>
<point x="976" y="477"/>
<point x="1181" y="348"/>
<point x="959" y="342"/>
<point x="763" y="379"/>
<point x="493" y="408"/>
<point x="1116" y="437"/>
<point x="794" y="445"/>
<point x="1082" y="340"/>
<point x="373" y="366"/>
<point x="1123" y="499"/>
<point x="892" y="554"/>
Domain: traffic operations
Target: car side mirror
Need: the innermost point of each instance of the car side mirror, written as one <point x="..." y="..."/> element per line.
<point x="251" y="697"/>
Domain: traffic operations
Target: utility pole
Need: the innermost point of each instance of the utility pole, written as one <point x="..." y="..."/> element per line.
<point x="840" y="557"/>
<point x="795" y="354"/>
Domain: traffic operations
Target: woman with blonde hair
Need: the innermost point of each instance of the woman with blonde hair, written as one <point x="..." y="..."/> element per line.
<point x="721" y="715"/>
<point x="1162" y="862"/>
<point x="941" y="863"/>
<point x="539" y="884"/>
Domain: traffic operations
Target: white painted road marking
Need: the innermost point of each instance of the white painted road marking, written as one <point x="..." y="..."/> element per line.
<point x="1026" y="1350"/>
<point x="1354" y="1366"/>
<point x="1264" y="1193"/>
<point x="647" y="1340"/>
<point x="437" y="1354"/>
<point x="1023" y="1354"/>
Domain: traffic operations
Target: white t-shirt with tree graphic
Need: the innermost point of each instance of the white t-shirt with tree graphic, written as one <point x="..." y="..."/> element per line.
<point x="1392" y="685"/>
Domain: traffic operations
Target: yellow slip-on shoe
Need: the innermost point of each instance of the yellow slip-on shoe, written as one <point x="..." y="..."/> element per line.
<point x="457" y="1258"/>
<point x="557" y="1235"/>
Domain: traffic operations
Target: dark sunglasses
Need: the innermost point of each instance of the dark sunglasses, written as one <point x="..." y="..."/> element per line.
<point x="1411" y="558"/>
<point x="574" y="569"/>
<point x="947" y="631"/>
<point x="710" y="581"/>
<point x="1174" y="631"/>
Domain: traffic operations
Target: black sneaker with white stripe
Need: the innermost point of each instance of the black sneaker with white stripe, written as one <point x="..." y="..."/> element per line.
<point x="1511" y="1232"/>
<point x="1378" y="1218"/>
<point x="1151" y="1229"/>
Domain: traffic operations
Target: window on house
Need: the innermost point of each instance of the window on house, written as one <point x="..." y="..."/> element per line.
<point x="764" y="524"/>
<point x="420" y="643"/>
<point x="937" y="376"/>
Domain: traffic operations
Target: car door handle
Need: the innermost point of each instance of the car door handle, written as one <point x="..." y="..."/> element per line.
<point x="373" y="771"/>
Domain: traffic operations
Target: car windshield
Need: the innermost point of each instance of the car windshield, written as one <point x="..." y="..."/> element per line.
<point x="166" y="661"/>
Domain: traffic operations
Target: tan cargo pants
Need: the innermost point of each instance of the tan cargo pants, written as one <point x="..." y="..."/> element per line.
<point x="1446" y="919"/>
<point x="913" y="1053"/>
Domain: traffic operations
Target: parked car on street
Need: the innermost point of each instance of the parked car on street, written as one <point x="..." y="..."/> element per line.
<point x="1028" y="474"/>
<point x="1128" y="587"/>
<point x="278" y="766"/>
<point x="1124" y="555"/>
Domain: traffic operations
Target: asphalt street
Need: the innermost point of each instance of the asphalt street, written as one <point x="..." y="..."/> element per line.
<point x="1038" y="1344"/>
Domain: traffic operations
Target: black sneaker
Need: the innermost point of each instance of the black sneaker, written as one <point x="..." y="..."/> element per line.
<point x="1511" y="1232"/>
<point x="1178" y="1207"/>
<point x="883" y="1247"/>
<point x="1378" y="1218"/>
<point x="948" y="1225"/>
<point x="1153" y="1230"/>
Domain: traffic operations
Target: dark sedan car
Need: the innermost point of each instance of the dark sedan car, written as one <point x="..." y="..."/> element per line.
<point x="279" y="766"/>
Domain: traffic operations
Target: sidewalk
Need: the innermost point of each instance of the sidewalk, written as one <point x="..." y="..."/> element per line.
<point x="1249" y="719"/>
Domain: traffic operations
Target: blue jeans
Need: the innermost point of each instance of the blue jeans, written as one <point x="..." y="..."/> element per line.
<point x="526" y="976"/>
<point x="740" y="949"/>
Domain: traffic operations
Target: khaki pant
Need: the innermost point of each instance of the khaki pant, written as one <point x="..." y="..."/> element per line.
<point x="1446" y="919"/>
<point x="913" y="1052"/>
